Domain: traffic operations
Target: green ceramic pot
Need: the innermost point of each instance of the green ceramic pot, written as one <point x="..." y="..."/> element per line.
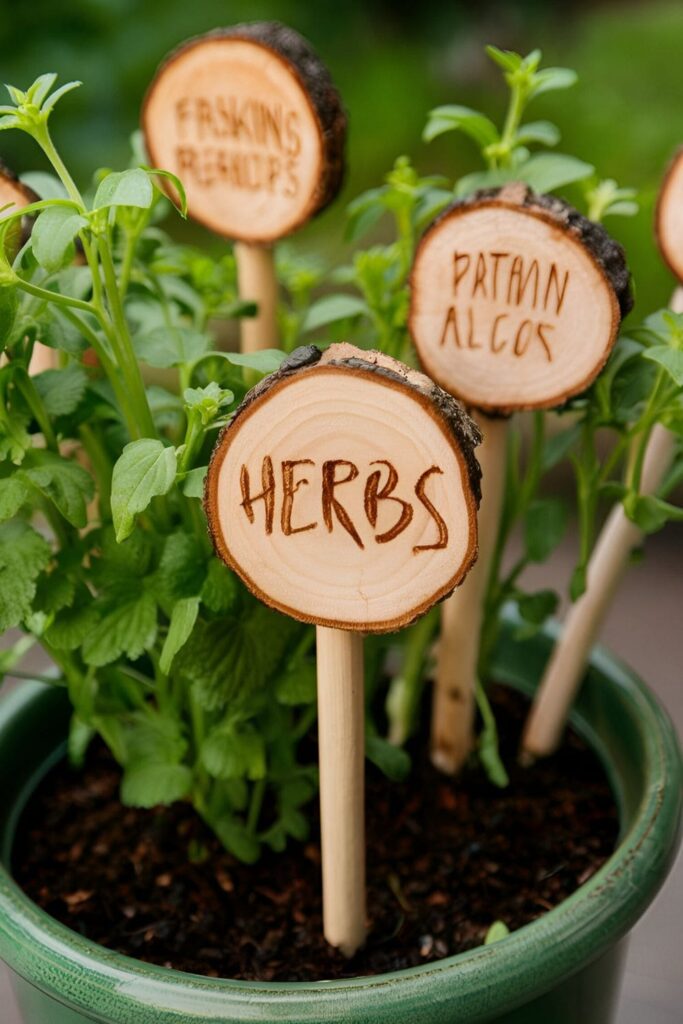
<point x="562" y="968"/>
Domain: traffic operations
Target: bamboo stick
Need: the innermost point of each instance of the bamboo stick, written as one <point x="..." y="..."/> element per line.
<point x="564" y="672"/>
<point x="341" y="725"/>
<point x="453" y="704"/>
<point x="258" y="283"/>
<point x="565" y="669"/>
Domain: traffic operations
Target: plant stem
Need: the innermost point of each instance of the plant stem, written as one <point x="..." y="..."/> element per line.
<point x="256" y="802"/>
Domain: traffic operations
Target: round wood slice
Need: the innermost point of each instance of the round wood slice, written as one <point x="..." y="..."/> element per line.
<point x="669" y="216"/>
<point x="516" y="300"/>
<point x="249" y="120"/>
<point x="345" y="490"/>
<point x="13" y="192"/>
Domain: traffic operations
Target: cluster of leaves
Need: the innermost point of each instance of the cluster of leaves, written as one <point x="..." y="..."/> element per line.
<point x="104" y="555"/>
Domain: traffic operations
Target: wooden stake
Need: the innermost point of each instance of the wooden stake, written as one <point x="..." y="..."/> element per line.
<point x="453" y="704"/>
<point x="344" y="493"/>
<point x="565" y="670"/>
<point x="515" y="303"/>
<point x="258" y="283"/>
<point x="341" y="731"/>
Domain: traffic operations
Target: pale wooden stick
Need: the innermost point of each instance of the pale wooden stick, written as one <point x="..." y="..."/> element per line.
<point x="462" y="614"/>
<point x="565" y="669"/>
<point x="258" y="283"/>
<point x="608" y="562"/>
<point x="341" y="732"/>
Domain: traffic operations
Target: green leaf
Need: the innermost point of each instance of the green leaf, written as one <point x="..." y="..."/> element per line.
<point x="550" y="79"/>
<point x="265" y="361"/>
<point x="543" y="132"/>
<point x="181" y="571"/>
<point x="670" y="358"/>
<point x="221" y="588"/>
<point x="545" y="172"/>
<point x="227" y="661"/>
<point x="464" y="119"/>
<point x="61" y="390"/>
<point x="163" y="347"/>
<point x="332" y="308"/>
<point x="128" y="629"/>
<point x="45" y="185"/>
<point x="392" y="761"/>
<point x="234" y="752"/>
<point x="193" y="484"/>
<point x="23" y="556"/>
<point x="183" y="618"/>
<point x="66" y="484"/>
<point x="14" y="491"/>
<point x="37" y="92"/>
<point x="125" y="188"/>
<point x="560" y="445"/>
<point x="236" y="839"/>
<point x="577" y="584"/>
<point x="145" y="470"/>
<point x="149" y="784"/>
<point x="297" y="685"/>
<point x="651" y="513"/>
<point x="535" y="608"/>
<point x="49" y="103"/>
<point x="488" y="741"/>
<point x="71" y="627"/>
<point x="177" y="184"/>
<point x="508" y="60"/>
<point x="53" y="234"/>
<point x="545" y="524"/>
<point x="498" y="930"/>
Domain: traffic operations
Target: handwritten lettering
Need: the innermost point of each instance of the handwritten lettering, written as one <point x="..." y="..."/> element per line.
<point x="335" y="495"/>
<point x="238" y="142"/>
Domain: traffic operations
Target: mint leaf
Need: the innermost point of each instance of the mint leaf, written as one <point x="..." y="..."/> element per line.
<point x="145" y="469"/>
<point x="163" y="347"/>
<point x="234" y="752"/>
<point x="193" y="484"/>
<point x="53" y="234"/>
<point x="266" y="361"/>
<point x="124" y="188"/>
<point x="330" y="309"/>
<point x="14" y="491"/>
<point x="151" y="783"/>
<point x="183" y="618"/>
<point x="297" y="685"/>
<point x="670" y="358"/>
<point x="454" y="117"/>
<point x="23" y="555"/>
<point x="392" y="761"/>
<point x="71" y="627"/>
<point x="181" y="571"/>
<point x="63" y="481"/>
<point x="128" y="629"/>
<point x="221" y="589"/>
<point x="61" y="390"/>
<point x="498" y="930"/>
<point x="545" y="172"/>
<point x="651" y="513"/>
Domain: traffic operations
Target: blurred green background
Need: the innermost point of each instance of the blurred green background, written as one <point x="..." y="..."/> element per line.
<point x="391" y="62"/>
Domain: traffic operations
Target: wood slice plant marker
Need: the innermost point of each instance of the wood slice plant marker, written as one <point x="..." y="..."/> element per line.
<point x="344" y="493"/>
<point x="15" y="195"/>
<point x="516" y="301"/>
<point x="619" y="536"/>
<point x="669" y="216"/>
<point x="249" y="120"/>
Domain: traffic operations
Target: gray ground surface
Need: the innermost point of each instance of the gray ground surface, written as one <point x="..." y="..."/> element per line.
<point x="645" y="629"/>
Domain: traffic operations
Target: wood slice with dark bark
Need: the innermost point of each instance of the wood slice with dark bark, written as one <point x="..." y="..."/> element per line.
<point x="516" y="300"/>
<point x="345" y="490"/>
<point x="669" y="216"/>
<point x="249" y="120"/>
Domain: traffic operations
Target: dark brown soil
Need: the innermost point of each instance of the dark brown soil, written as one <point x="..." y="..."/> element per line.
<point x="445" y="860"/>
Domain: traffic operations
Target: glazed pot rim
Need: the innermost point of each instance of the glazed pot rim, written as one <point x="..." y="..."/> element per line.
<point x="527" y="962"/>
